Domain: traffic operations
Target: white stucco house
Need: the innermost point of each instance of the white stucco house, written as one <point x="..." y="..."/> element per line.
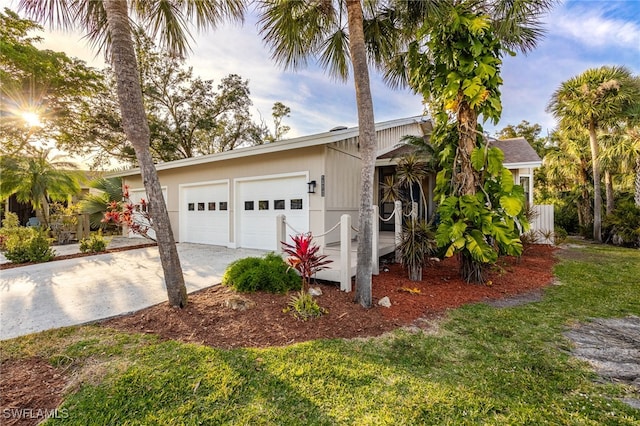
<point x="233" y="198"/>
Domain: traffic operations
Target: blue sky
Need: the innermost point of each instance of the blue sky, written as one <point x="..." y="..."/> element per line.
<point x="580" y="35"/>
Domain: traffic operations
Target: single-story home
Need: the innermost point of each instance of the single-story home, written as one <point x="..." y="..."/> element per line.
<point x="232" y="198"/>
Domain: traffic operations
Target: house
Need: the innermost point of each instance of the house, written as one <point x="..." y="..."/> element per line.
<point x="233" y="198"/>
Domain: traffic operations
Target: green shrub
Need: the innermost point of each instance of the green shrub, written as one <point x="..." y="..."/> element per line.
<point x="35" y="248"/>
<point x="12" y="233"/>
<point x="94" y="244"/>
<point x="269" y="273"/>
<point x="622" y="227"/>
<point x="559" y="235"/>
<point x="304" y="306"/>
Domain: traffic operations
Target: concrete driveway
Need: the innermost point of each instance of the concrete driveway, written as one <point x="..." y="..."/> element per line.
<point x="76" y="291"/>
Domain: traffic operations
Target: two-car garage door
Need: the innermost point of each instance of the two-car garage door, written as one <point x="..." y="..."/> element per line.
<point x="205" y="208"/>
<point x="260" y="201"/>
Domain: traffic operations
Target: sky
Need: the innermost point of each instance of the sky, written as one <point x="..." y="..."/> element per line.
<point x="580" y="34"/>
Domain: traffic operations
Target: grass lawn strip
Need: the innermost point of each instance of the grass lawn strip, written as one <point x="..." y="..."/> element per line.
<point x="484" y="365"/>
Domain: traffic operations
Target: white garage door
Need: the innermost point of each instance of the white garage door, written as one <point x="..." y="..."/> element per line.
<point x="204" y="213"/>
<point x="260" y="201"/>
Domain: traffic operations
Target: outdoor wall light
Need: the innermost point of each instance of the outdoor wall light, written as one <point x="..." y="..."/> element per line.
<point x="311" y="187"/>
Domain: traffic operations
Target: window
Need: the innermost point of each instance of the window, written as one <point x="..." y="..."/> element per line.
<point x="296" y="204"/>
<point x="201" y="207"/>
<point x="248" y="205"/>
<point x="525" y="182"/>
<point x="278" y="204"/>
<point x="263" y="205"/>
<point x="212" y="205"/>
<point x="191" y="207"/>
<point x="223" y="205"/>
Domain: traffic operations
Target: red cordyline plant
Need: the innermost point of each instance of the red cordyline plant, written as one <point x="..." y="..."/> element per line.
<point x="304" y="257"/>
<point x="126" y="214"/>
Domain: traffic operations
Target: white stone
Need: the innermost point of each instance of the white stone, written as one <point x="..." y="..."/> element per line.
<point x="315" y="291"/>
<point x="385" y="302"/>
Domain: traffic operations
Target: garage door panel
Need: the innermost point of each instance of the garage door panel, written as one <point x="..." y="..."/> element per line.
<point x="204" y="212"/>
<point x="261" y="201"/>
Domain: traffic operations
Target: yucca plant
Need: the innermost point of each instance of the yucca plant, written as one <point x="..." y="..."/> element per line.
<point x="418" y="243"/>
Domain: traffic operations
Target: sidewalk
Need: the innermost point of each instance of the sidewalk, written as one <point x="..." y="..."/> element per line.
<point x="76" y="291"/>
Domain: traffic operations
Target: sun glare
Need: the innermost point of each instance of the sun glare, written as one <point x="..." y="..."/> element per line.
<point x="32" y="119"/>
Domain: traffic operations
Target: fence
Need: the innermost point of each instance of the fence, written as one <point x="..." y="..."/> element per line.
<point x="542" y="224"/>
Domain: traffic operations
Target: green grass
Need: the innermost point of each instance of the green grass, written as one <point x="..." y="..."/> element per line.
<point x="485" y="366"/>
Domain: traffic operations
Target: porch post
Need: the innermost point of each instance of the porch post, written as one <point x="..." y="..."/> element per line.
<point x="375" y="227"/>
<point x="345" y="252"/>
<point x="398" y="228"/>
<point x="281" y="233"/>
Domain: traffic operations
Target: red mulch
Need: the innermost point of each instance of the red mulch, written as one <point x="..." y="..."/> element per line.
<point x="209" y="321"/>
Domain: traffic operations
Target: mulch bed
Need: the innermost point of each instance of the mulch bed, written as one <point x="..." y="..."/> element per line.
<point x="209" y="320"/>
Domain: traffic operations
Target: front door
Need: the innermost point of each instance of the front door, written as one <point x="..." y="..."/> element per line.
<point x="386" y="207"/>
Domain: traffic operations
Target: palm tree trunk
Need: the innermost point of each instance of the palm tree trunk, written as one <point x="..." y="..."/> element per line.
<point x="608" y="186"/>
<point x="597" y="196"/>
<point x="637" y="193"/>
<point x="368" y="145"/>
<point x="136" y="128"/>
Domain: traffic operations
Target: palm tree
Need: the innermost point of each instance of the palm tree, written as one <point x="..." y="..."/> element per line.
<point x="593" y="100"/>
<point x="109" y="27"/>
<point x="299" y="30"/>
<point x="95" y="205"/>
<point x="37" y="180"/>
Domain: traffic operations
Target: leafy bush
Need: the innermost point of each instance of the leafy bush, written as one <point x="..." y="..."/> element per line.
<point x="12" y="232"/>
<point x="304" y="306"/>
<point x="94" y="244"/>
<point x="566" y="217"/>
<point x="623" y="225"/>
<point x="269" y="273"/>
<point x="559" y="235"/>
<point x="35" y="248"/>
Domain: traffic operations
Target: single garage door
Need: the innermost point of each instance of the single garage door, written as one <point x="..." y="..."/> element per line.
<point x="204" y="213"/>
<point x="260" y="201"/>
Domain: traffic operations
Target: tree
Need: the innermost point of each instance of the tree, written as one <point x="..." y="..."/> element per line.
<point x="108" y="25"/>
<point x="455" y="63"/>
<point x="594" y="100"/>
<point x="95" y="205"/>
<point x="278" y="112"/>
<point x="531" y="132"/>
<point x="297" y="31"/>
<point x="35" y="179"/>
<point x="41" y="91"/>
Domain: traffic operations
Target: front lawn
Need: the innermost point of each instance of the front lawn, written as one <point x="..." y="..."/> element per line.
<point x="481" y="365"/>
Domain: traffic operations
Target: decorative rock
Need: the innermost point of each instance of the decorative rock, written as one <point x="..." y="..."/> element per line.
<point x="315" y="291"/>
<point x="385" y="302"/>
<point x="239" y="303"/>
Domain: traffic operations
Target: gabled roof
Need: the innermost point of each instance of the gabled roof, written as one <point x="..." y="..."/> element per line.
<point x="283" y="145"/>
<point x="517" y="152"/>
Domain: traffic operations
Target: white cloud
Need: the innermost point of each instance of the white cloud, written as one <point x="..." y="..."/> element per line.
<point x="590" y="27"/>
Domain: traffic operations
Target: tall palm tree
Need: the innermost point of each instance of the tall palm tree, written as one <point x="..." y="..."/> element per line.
<point x="593" y="100"/>
<point x="109" y="27"/>
<point x="336" y="33"/>
<point x="38" y="180"/>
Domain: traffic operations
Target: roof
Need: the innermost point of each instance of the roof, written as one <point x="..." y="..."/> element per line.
<point x="517" y="152"/>
<point x="283" y="145"/>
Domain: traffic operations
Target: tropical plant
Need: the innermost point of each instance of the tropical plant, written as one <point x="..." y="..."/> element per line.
<point x="38" y="180"/>
<point x="108" y="26"/>
<point x="135" y="218"/>
<point x="593" y="100"/>
<point x="418" y="243"/>
<point x="622" y="226"/>
<point x="304" y="257"/>
<point x="458" y="70"/>
<point x="95" y="205"/>
<point x="304" y="306"/>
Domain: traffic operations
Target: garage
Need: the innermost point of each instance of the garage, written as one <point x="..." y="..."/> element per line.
<point x="260" y="200"/>
<point x="136" y="196"/>
<point x="204" y="213"/>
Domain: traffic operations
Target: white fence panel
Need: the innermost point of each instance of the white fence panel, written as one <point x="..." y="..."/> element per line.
<point x="542" y="224"/>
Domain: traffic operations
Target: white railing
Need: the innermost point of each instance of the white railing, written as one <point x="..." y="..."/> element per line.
<point x="345" y="240"/>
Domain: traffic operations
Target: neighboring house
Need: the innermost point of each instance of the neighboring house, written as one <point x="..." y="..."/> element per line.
<point x="233" y="198"/>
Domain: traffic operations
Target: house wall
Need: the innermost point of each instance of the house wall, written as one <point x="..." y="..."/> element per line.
<point x="308" y="160"/>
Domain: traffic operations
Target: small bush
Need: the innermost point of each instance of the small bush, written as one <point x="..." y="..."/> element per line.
<point x="36" y="248"/>
<point x="269" y="273"/>
<point x="559" y="235"/>
<point x="622" y="227"/>
<point x="94" y="244"/>
<point x="12" y="233"/>
<point x="304" y="306"/>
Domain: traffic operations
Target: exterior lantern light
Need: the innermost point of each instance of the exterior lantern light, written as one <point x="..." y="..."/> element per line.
<point x="311" y="187"/>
